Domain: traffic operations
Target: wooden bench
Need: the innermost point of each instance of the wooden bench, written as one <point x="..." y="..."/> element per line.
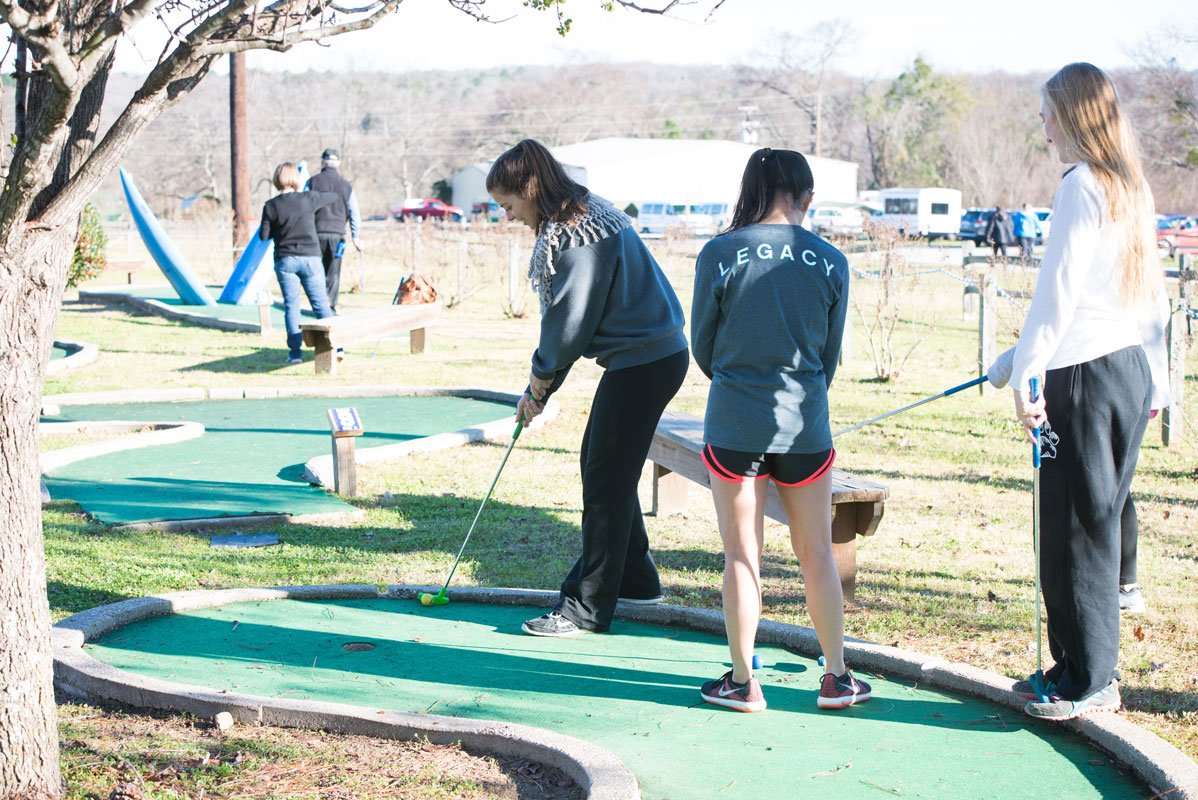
<point x="857" y="504"/>
<point x="129" y="266"/>
<point x="331" y="333"/>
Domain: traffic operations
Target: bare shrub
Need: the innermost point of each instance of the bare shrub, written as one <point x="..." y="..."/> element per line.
<point x="890" y="302"/>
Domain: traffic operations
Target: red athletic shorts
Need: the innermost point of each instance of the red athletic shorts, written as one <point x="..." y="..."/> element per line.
<point x="786" y="469"/>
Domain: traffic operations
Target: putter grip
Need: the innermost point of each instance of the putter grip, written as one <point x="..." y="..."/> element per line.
<point x="1034" y="389"/>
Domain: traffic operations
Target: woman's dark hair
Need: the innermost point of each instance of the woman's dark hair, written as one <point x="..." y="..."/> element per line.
<point x="529" y="170"/>
<point x="770" y="174"/>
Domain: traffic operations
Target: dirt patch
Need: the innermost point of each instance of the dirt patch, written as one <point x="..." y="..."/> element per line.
<point x="110" y="752"/>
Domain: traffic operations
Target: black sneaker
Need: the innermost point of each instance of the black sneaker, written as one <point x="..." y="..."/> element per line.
<point x="723" y="691"/>
<point x="841" y="691"/>
<point x="1131" y="601"/>
<point x="551" y="624"/>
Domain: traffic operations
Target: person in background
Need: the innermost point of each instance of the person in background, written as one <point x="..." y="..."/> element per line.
<point x="1027" y="228"/>
<point x="996" y="231"/>
<point x="290" y="219"/>
<point x="1095" y="327"/>
<point x="766" y="324"/>
<point x="331" y="220"/>
<point x="603" y="296"/>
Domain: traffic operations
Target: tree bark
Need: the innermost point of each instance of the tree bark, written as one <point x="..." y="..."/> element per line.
<point x="29" y="296"/>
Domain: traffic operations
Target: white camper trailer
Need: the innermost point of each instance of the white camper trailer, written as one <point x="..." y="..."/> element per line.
<point x="931" y="213"/>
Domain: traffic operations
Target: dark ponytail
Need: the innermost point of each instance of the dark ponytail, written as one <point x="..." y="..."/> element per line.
<point x="769" y="175"/>
<point x="529" y="170"/>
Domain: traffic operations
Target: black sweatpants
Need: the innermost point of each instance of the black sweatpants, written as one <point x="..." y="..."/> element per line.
<point x="1129" y="533"/>
<point x="615" y="560"/>
<point x="330" y="243"/>
<point x="1097" y="412"/>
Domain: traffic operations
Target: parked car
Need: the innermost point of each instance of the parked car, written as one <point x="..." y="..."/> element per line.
<point x="973" y="224"/>
<point x="1177" y="235"/>
<point x="426" y="209"/>
<point x="656" y="217"/>
<point x="1045" y="217"/>
<point x="695" y="218"/>
<point x="490" y="212"/>
<point x="836" y="220"/>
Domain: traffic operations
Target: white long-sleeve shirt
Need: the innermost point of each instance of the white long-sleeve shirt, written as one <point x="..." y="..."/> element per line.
<point x="1078" y="313"/>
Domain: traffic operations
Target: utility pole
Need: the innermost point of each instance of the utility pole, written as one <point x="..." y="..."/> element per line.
<point x="239" y="153"/>
<point x="748" y="126"/>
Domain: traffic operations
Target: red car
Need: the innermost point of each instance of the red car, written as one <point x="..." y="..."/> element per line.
<point x="427" y="209"/>
<point x="1179" y="235"/>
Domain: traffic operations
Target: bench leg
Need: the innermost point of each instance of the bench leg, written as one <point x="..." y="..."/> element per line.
<point x="417" y="339"/>
<point x="326" y="358"/>
<point x="669" y="492"/>
<point x="844" y="548"/>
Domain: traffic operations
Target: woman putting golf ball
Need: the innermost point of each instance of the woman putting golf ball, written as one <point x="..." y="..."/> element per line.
<point x="603" y="297"/>
<point x="769" y="310"/>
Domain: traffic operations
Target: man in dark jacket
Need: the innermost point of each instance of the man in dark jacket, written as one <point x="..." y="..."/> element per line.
<point x="331" y="220"/>
<point x="998" y="231"/>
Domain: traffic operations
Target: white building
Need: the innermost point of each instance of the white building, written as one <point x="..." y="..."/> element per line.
<point x="676" y="171"/>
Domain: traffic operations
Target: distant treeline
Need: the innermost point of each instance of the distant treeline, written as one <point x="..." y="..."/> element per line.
<point x="406" y="135"/>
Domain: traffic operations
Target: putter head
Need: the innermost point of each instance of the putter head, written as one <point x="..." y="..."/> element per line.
<point x="1040" y="686"/>
<point x="440" y="598"/>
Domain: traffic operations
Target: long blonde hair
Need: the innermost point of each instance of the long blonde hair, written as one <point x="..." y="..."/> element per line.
<point x="1086" y="107"/>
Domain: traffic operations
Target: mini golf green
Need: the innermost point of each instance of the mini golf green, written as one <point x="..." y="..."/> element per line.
<point x="633" y="692"/>
<point x="250" y="459"/>
<point x="226" y="311"/>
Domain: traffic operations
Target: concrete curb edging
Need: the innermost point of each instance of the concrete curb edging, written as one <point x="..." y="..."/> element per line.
<point x="158" y="433"/>
<point x="160" y="309"/>
<point x="597" y="771"/>
<point x="81" y="354"/>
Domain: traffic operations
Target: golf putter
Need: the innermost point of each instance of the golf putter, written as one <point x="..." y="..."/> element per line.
<point x="441" y="598"/>
<point x="1039" y="684"/>
<point x="945" y="393"/>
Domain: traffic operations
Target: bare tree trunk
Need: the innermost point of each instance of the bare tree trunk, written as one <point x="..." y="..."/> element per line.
<point x="29" y="296"/>
<point x="239" y="147"/>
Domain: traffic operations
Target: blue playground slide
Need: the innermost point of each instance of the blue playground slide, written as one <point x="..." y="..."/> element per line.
<point x="169" y="259"/>
<point x="253" y="266"/>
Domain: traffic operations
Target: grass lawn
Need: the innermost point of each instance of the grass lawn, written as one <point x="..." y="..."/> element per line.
<point x="949" y="572"/>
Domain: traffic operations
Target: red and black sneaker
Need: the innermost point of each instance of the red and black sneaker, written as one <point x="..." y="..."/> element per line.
<point x="740" y="696"/>
<point x="841" y="691"/>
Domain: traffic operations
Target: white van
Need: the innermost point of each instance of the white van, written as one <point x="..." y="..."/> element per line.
<point x="931" y="213"/>
<point x="656" y="217"/>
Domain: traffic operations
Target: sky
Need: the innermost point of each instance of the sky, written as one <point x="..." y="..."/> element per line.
<point x="952" y="36"/>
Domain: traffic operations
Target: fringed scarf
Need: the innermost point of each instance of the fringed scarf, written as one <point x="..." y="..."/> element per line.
<point x="600" y="221"/>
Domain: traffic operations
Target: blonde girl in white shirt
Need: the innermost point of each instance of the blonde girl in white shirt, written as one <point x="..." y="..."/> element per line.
<point x="1097" y="303"/>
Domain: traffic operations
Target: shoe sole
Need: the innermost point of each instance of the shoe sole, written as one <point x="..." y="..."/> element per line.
<point x="533" y="632"/>
<point x="841" y="702"/>
<point x="735" y="705"/>
<point x="1082" y="713"/>
<point x="652" y="601"/>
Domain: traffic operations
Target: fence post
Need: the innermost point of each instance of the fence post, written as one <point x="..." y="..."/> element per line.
<point x="461" y="267"/>
<point x="1172" y="423"/>
<point x="846" y="340"/>
<point x="987" y="328"/>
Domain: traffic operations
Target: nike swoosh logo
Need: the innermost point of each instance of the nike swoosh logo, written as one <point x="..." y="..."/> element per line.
<point x="724" y="693"/>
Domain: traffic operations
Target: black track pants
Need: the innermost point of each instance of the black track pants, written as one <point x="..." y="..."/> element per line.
<point x="615" y="560"/>
<point x="330" y="243"/>
<point x="1097" y="412"/>
<point x="1129" y="532"/>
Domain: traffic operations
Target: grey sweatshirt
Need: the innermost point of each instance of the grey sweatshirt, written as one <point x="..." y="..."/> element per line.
<point x="766" y="324"/>
<point x="611" y="302"/>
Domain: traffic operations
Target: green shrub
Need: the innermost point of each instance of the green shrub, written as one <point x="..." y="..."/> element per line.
<point x="89" y="260"/>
